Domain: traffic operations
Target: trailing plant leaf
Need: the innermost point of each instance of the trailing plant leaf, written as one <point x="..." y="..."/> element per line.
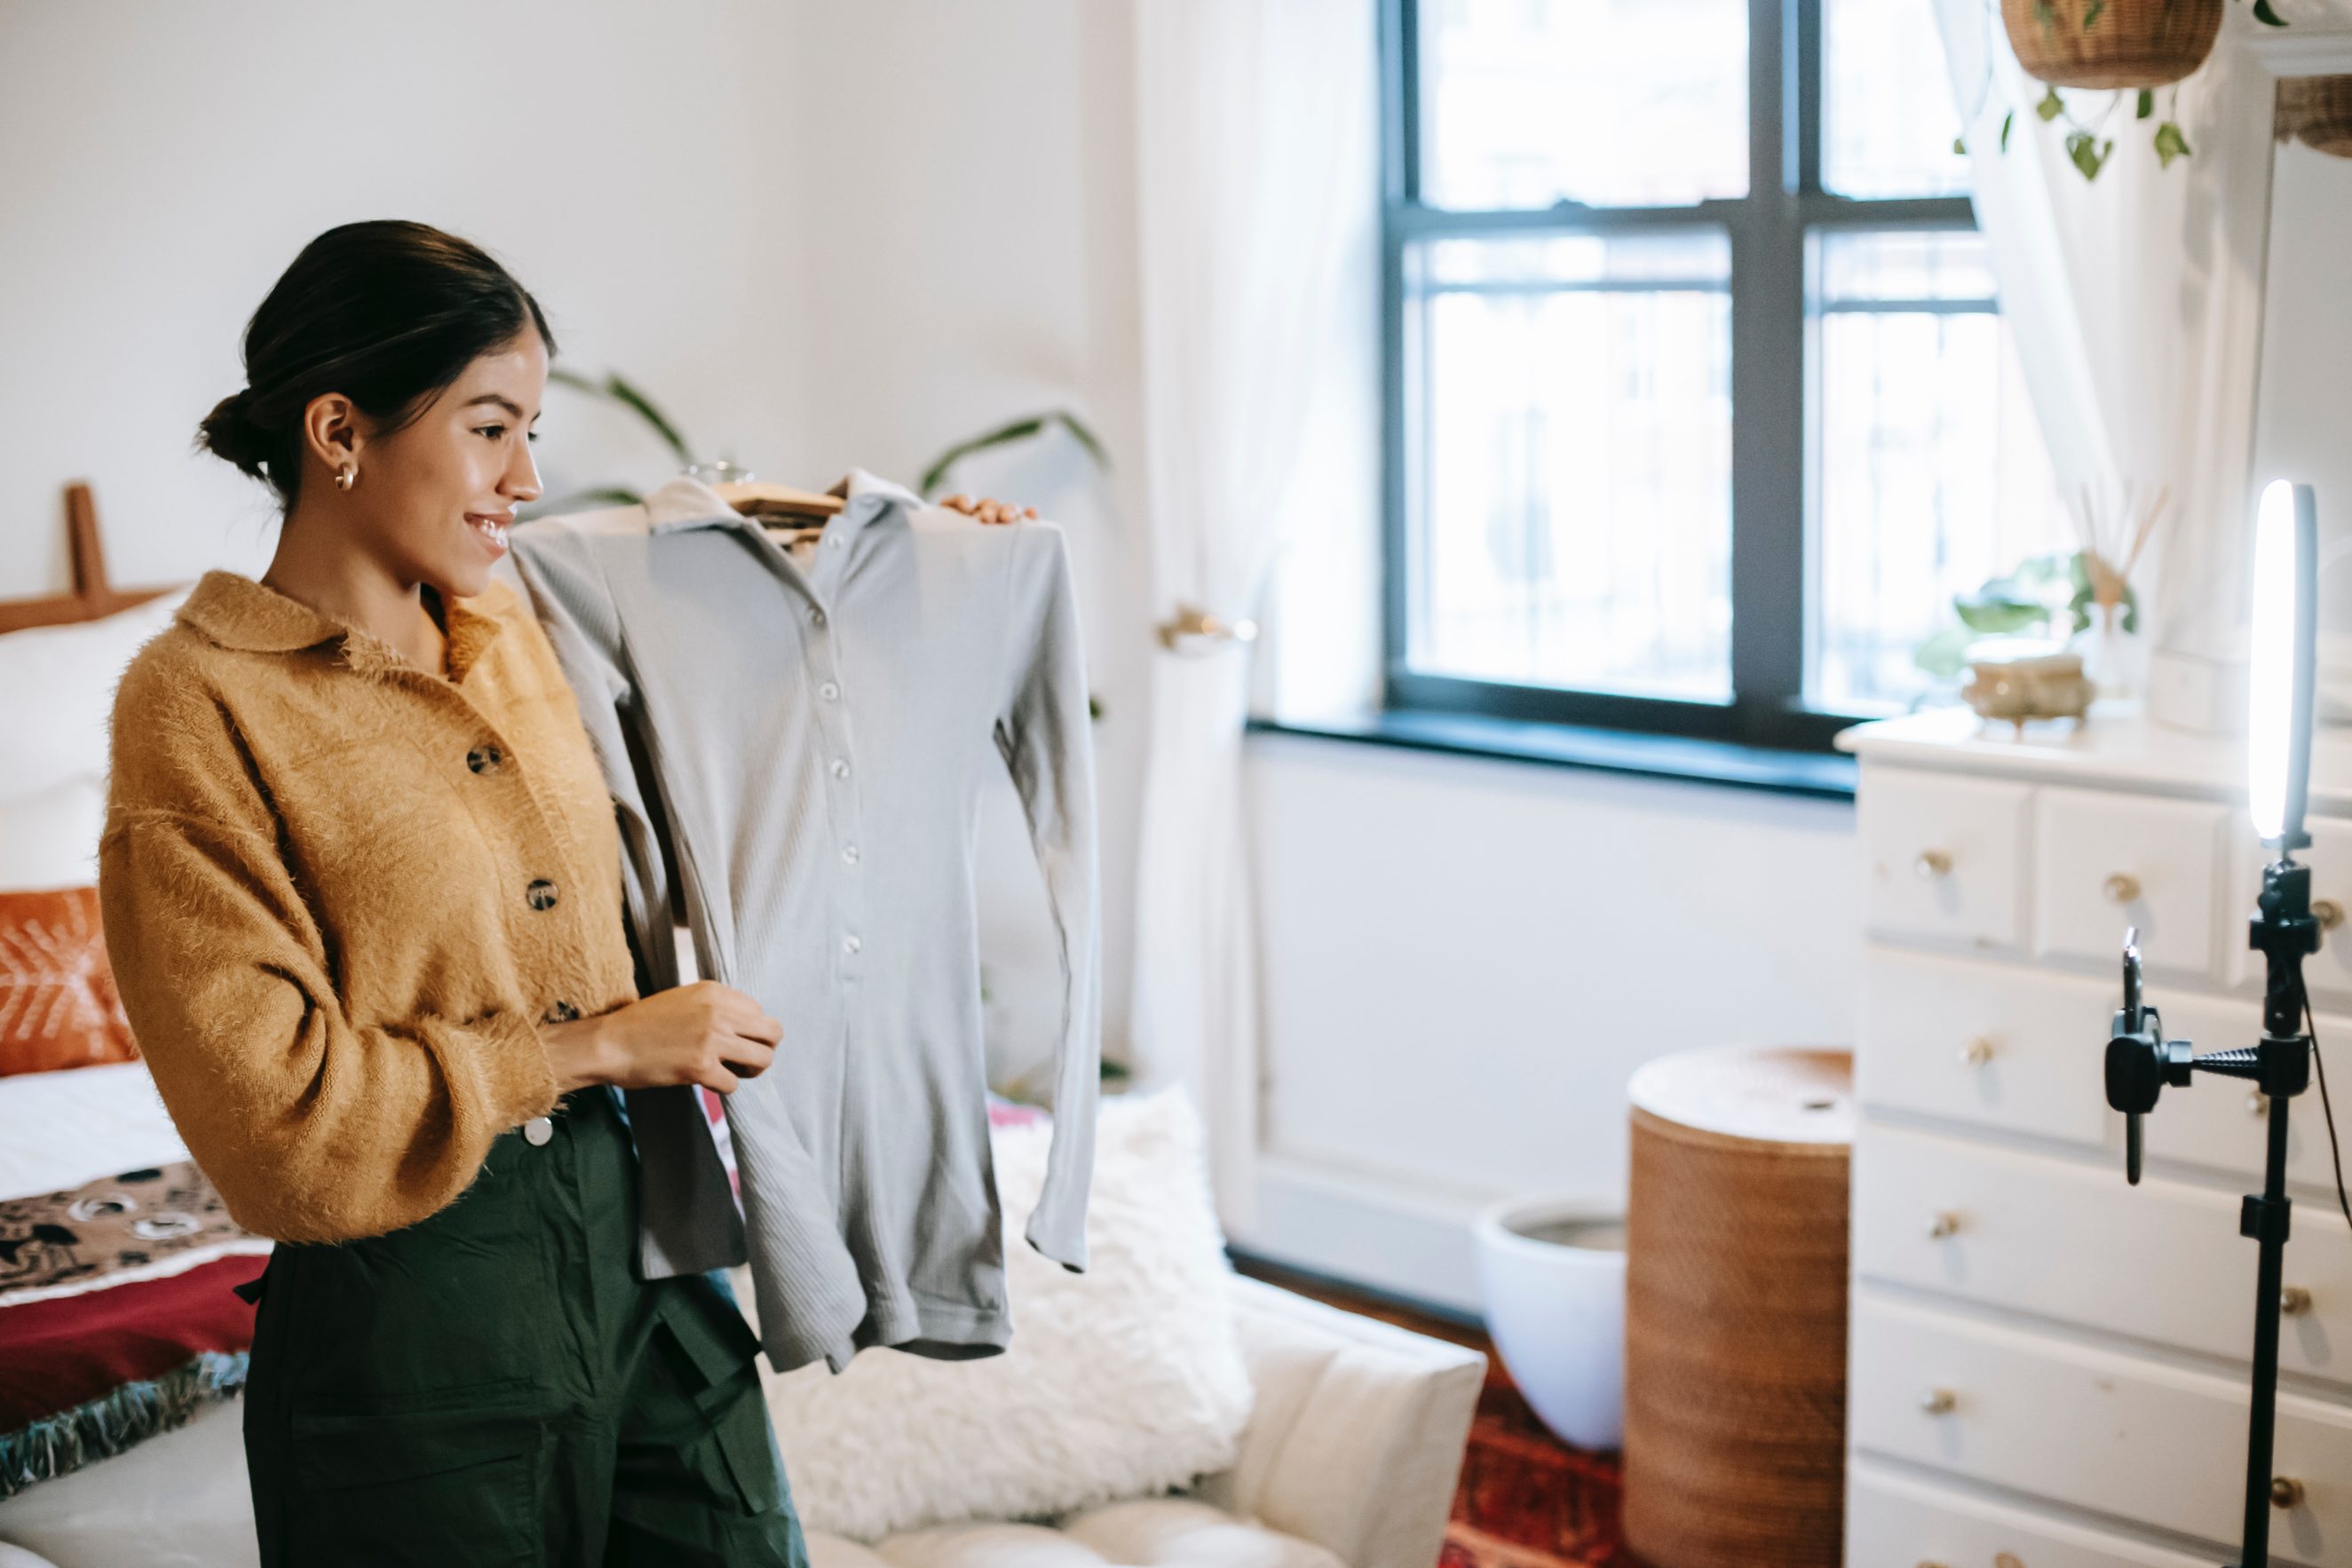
<point x="2170" y="143"/>
<point x="2087" y="153"/>
<point x="2006" y="121"/>
<point x="2052" y="106"/>
<point x="2147" y="105"/>
<point x="1961" y="146"/>
<point x="1943" y="655"/>
<point x="628" y="397"/>
<point x="2090" y="13"/>
<point x="2043" y="14"/>
<point x="2268" y="17"/>
<point x="1003" y="434"/>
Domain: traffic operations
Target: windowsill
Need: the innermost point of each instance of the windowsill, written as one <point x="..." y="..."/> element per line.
<point x="1811" y="773"/>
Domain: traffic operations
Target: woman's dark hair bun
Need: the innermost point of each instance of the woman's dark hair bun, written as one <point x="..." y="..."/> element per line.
<point x="387" y="312"/>
<point x="228" y="433"/>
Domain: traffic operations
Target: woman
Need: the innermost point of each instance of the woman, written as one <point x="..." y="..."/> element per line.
<point x="361" y="884"/>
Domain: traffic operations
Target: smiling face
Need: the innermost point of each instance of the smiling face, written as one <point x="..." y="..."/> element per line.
<point x="434" y="497"/>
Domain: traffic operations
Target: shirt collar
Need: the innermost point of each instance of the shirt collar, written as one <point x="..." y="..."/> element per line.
<point x="688" y="502"/>
<point x="239" y="612"/>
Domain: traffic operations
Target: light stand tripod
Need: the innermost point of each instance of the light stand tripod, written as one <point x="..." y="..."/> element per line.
<point x="2141" y="1061"/>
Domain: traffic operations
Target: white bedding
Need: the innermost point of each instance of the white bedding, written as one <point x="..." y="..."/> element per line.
<point x="59" y="1129"/>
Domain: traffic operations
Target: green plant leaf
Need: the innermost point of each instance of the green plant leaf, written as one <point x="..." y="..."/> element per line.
<point x="628" y="397"/>
<point x="2052" y="106"/>
<point x="1961" y="146"/>
<point x="2170" y="143"/>
<point x="2044" y="15"/>
<point x="2006" y="121"/>
<point x="2147" y="105"/>
<point x="2090" y="13"/>
<point x="2087" y="153"/>
<point x="1943" y="654"/>
<point x="1005" y="435"/>
<point x="2268" y="17"/>
<point x="1991" y="616"/>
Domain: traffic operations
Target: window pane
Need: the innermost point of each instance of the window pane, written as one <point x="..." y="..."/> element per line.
<point x="1930" y="475"/>
<point x="1887" y="117"/>
<point x="1569" y="411"/>
<point x="1608" y="103"/>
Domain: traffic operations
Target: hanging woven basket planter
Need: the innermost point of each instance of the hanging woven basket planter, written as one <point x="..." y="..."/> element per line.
<point x="2317" y="110"/>
<point x="2111" y="43"/>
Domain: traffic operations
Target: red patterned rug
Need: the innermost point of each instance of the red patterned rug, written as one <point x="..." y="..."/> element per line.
<point x="1525" y="1498"/>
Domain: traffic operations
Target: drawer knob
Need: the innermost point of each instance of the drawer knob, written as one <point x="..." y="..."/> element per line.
<point x="1932" y="864"/>
<point x="2285" y="1493"/>
<point x="2328" y="912"/>
<point x="1977" y="1052"/>
<point x="2122" y="888"/>
<point x="1939" y="1402"/>
<point x="1946" y="1223"/>
<point x="2293" y="1301"/>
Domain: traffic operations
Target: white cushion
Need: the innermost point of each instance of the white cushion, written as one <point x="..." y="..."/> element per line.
<point x="1122" y="1381"/>
<point x="1164" y="1532"/>
<point x="57" y="692"/>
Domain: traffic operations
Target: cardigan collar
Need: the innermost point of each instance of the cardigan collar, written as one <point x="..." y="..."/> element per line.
<point x="239" y="611"/>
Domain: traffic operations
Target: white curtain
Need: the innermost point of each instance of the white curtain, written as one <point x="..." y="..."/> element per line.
<point x="1257" y="184"/>
<point x="2135" y="301"/>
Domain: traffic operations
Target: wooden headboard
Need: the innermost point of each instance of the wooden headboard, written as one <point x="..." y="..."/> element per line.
<point x="92" y="596"/>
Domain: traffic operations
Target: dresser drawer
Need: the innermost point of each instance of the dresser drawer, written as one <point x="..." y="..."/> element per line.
<point x="2157" y="1445"/>
<point x="2162" y="1261"/>
<point x="1899" y="1522"/>
<point x="1944" y="857"/>
<point x="2220" y="1123"/>
<point x="2110" y="861"/>
<point x="2327" y="974"/>
<point x="1995" y="1044"/>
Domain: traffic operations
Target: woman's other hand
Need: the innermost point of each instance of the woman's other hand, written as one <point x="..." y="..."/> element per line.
<point x="701" y="1032"/>
<point x="989" y="510"/>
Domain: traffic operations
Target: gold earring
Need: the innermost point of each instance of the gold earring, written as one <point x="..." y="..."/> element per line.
<point x="346" y="477"/>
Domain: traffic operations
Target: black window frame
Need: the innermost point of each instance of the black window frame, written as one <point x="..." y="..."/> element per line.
<point x="1770" y="230"/>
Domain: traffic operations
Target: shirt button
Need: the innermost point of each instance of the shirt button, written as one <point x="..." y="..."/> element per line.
<point x="561" y="1013"/>
<point x="484" y="759"/>
<point x="849" y="853"/>
<point x="835" y="540"/>
<point x="829" y="690"/>
<point x="840" y="767"/>
<point x="542" y="894"/>
<point x="816" y="617"/>
<point x="850" y="943"/>
<point x="538" y="1131"/>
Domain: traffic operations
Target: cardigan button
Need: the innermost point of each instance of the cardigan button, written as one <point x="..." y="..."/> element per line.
<point x="561" y="1013"/>
<point x="485" y="759"/>
<point x="541" y="893"/>
<point x="538" y="1131"/>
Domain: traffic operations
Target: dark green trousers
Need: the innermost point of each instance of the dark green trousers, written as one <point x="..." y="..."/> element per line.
<point x="496" y="1385"/>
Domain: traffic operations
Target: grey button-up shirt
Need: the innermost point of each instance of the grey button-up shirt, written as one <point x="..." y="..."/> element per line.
<point x="808" y="739"/>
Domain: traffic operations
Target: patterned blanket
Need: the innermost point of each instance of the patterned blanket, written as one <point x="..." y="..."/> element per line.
<point x="117" y="1316"/>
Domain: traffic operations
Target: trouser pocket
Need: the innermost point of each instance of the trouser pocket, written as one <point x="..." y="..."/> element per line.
<point x="710" y="1354"/>
<point x="426" y="1479"/>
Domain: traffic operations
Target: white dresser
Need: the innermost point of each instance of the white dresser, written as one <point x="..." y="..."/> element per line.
<point x="2048" y="1367"/>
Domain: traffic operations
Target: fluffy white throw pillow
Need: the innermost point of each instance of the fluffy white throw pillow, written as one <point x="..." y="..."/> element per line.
<point x="1121" y="1382"/>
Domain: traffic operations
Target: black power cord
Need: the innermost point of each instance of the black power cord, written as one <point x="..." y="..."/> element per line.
<point x="2335" y="1151"/>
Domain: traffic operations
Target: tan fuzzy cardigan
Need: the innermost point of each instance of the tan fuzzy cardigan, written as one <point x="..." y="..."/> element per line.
<point x="340" y="892"/>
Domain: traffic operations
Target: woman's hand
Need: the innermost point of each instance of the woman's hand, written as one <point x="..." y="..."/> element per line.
<point x="989" y="510"/>
<point x="701" y="1032"/>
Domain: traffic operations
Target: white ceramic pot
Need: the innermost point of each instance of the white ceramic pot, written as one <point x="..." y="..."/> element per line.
<point x="1551" y="1272"/>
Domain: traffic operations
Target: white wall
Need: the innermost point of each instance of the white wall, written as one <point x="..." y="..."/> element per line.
<point x="826" y="235"/>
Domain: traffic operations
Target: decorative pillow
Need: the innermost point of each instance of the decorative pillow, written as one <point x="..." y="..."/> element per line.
<point x="58" y="1002"/>
<point x="1125" y="1381"/>
<point x="57" y="693"/>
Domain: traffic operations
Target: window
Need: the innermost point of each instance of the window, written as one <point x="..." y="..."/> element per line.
<point x="1699" y="408"/>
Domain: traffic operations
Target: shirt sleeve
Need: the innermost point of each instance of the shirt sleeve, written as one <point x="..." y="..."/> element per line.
<point x="311" y="1127"/>
<point x="1046" y="737"/>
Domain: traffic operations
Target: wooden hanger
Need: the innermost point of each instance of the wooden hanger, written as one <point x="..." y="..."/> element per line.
<point x="780" y="503"/>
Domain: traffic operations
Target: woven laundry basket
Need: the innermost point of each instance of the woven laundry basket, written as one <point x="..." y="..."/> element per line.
<point x="1736" y="1308"/>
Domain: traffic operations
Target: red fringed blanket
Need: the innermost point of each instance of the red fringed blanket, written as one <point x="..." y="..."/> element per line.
<point x="117" y="1316"/>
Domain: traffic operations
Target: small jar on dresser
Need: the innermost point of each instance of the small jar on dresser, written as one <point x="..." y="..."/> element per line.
<point x="2048" y="1367"/>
